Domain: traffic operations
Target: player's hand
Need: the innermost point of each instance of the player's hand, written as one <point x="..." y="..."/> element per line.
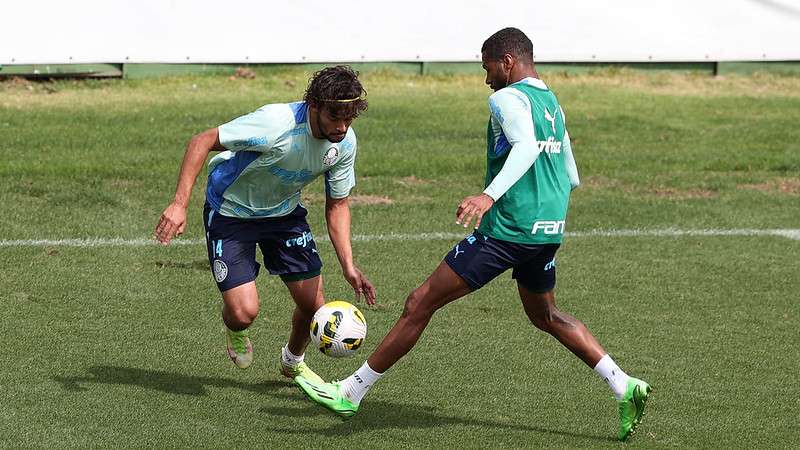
<point x="473" y="207"/>
<point x="361" y="285"/>
<point x="172" y="223"/>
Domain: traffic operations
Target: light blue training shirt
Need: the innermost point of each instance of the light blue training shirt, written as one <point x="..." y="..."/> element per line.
<point x="271" y="155"/>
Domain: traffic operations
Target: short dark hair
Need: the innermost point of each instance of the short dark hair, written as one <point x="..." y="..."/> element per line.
<point x="508" y="41"/>
<point x="338" y="90"/>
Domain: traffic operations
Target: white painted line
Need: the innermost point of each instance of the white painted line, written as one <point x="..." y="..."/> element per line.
<point x="92" y="242"/>
<point x="666" y="232"/>
<point x="674" y="232"/>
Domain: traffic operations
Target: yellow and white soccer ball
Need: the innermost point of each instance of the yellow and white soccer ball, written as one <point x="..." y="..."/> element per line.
<point x="338" y="329"/>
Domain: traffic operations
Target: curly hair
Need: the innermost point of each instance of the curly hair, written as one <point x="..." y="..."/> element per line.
<point x="338" y="90"/>
<point x="508" y="41"/>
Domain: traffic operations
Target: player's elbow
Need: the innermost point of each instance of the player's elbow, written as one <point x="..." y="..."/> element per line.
<point x="206" y="139"/>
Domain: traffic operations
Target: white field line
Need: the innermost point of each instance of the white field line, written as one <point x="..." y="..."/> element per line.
<point x="666" y="232"/>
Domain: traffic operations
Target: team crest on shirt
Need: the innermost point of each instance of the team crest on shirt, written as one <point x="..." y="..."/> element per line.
<point x="220" y="270"/>
<point x="330" y="156"/>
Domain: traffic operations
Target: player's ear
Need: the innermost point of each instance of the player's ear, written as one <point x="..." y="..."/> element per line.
<point x="314" y="110"/>
<point x="508" y="61"/>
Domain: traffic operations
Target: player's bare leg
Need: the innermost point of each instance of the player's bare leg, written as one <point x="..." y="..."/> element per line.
<point x="631" y="393"/>
<point x="239" y="310"/>
<point x="344" y="397"/>
<point x="572" y="333"/>
<point x="441" y="288"/>
<point x="308" y="298"/>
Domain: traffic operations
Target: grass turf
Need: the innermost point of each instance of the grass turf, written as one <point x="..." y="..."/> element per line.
<point x="122" y="346"/>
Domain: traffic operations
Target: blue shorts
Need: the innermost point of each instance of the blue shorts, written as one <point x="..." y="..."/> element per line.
<point x="478" y="259"/>
<point x="286" y="243"/>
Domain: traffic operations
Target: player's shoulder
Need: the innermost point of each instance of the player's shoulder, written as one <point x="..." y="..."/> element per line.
<point x="506" y="100"/>
<point x="349" y="144"/>
<point x="509" y="96"/>
<point x="504" y="94"/>
<point x="277" y="114"/>
<point x="350" y="136"/>
<point x="258" y="130"/>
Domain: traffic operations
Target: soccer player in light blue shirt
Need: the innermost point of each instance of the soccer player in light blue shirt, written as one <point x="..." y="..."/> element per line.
<point x="253" y="200"/>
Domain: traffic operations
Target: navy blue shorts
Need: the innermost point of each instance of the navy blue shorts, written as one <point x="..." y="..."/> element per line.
<point x="286" y="243"/>
<point x="478" y="259"/>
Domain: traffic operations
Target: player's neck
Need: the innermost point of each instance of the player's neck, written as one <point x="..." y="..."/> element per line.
<point x="522" y="71"/>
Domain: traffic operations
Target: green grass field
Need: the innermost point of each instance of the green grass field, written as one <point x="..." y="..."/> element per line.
<point x="122" y="345"/>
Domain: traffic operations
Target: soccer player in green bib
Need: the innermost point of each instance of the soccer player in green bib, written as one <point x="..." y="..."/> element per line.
<point x="519" y="221"/>
<point x="253" y="200"/>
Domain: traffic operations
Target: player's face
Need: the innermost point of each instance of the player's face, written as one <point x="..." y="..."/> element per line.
<point x="496" y="73"/>
<point x="330" y="126"/>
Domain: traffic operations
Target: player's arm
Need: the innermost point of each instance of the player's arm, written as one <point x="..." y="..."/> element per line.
<point x="569" y="158"/>
<point x="173" y="220"/>
<point x="513" y="114"/>
<point x="572" y="168"/>
<point x="258" y="131"/>
<point x="337" y="216"/>
<point x="339" y="181"/>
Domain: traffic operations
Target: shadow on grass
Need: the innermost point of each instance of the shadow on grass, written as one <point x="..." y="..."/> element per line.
<point x="382" y="415"/>
<point x="375" y="415"/>
<point x="169" y="382"/>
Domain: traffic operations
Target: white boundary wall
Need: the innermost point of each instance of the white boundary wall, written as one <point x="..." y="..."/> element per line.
<point x="253" y="31"/>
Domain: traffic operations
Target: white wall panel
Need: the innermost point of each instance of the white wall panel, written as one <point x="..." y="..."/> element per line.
<point x="175" y="31"/>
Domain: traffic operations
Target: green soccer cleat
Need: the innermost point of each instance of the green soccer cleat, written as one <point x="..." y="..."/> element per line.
<point x="631" y="407"/>
<point x="239" y="347"/>
<point x="300" y="370"/>
<point x="328" y="395"/>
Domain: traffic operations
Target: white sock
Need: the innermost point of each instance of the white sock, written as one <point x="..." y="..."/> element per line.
<point x="617" y="379"/>
<point x="289" y="358"/>
<point x="355" y="386"/>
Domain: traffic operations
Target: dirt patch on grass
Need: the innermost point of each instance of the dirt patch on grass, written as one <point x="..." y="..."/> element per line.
<point x="789" y="186"/>
<point x="356" y="200"/>
<point x="411" y="181"/>
<point x="600" y="182"/>
<point x="311" y="198"/>
<point x="243" y="73"/>
<point x="16" y="83"/>
<point x="682" y="194"/>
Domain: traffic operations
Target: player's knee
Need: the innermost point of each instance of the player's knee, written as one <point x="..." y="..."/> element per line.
<point x="543" y="319"/>
<point x="240" y="317"/>
<point x="307" y="309"/>
<point x="304" y="313"/>
<point x="415" y="307"/>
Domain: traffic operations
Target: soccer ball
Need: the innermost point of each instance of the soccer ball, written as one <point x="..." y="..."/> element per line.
<point x="338" y="329"/>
